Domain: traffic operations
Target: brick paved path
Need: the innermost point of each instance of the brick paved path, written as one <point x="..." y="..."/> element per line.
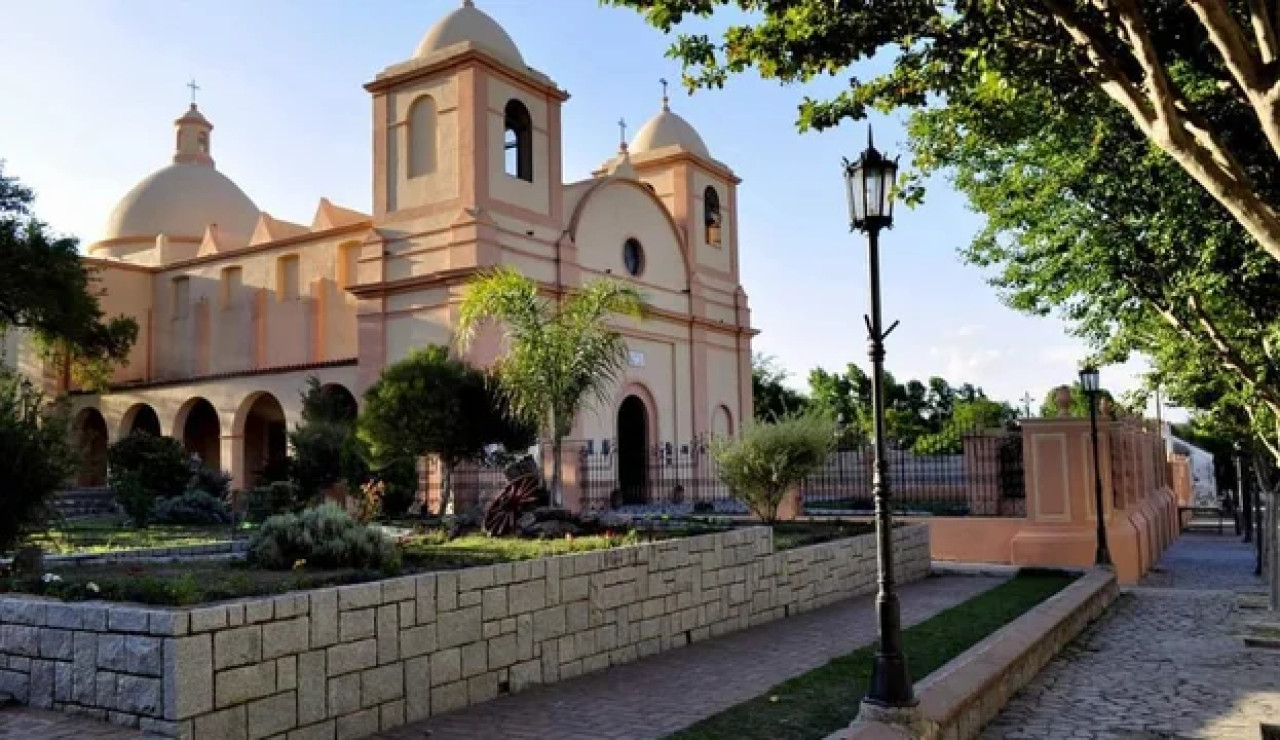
<point x="656" y="696"/>
<point x="646" y="699"/>
<point x="1166" y="662"/>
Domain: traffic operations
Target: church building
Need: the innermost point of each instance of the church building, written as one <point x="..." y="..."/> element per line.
<point x="237" y="308"/>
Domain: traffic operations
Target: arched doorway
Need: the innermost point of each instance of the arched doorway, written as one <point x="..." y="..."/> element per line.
<point x="202" y="432"/>
<point x="342" y="404"/>
<point x="91" y="440"/>
<point x="265" y="439"/>
<point x="140" y="418"/>
<point x="633" y="450"/>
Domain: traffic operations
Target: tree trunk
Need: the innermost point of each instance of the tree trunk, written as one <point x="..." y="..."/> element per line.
<point x="446" y="486"/>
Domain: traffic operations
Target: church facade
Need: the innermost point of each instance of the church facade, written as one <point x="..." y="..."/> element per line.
<point x="237" y="308"/>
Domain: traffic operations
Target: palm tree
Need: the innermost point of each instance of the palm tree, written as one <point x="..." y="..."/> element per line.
<point x="560" y="355"/>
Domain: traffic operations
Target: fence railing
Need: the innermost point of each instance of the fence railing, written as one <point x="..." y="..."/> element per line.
<point x="985" y="478"/>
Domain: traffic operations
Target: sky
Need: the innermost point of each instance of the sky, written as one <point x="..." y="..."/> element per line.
<point x="90" y="91"/>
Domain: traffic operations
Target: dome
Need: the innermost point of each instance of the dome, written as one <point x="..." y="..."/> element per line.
<point x="181" y="200"/>
<point x="469" y="24"/>
<point x="668" y="129"/>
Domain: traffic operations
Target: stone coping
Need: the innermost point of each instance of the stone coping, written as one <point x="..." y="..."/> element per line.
<point x="211" y="549"/>
<point x="957" y="700"/>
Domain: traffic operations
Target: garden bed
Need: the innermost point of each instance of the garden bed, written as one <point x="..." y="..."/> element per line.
<point x="182" y="581"/>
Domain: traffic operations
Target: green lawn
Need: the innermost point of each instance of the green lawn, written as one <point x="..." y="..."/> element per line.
<point x="104" y="535"/>
<point x="826" y="699"/>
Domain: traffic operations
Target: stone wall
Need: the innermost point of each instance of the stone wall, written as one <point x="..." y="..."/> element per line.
<point x="353" y="660"/>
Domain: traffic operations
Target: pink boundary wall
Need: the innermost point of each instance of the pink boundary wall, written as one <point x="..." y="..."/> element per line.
<point x="1139" y="506"/>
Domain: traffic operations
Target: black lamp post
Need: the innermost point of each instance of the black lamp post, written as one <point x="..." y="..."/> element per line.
<point x="1090" y="383"/>
<point x="870" y="187"/>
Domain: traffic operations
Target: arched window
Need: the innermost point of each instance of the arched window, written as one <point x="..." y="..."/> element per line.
<point x="711" y="215"/>
<point x="422" y="136"/>
<point x="633" y="257"/>
<point x="518" y="141"/>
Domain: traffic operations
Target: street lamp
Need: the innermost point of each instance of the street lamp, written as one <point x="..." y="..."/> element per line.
<point x="869" y="181"/>
<point x="1090" y="383"/>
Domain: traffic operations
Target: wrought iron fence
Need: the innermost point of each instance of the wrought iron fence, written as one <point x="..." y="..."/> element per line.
<point x="663" y="473"/>
<point x="984" y="479"/>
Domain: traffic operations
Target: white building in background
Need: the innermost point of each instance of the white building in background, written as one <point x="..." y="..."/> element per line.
<point x="1204" y="483"/>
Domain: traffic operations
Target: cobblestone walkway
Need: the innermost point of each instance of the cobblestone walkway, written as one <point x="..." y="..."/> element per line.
<point x="646" y="699"/>
<point x="656" y="696"/>
<point x="1167" y="662"/>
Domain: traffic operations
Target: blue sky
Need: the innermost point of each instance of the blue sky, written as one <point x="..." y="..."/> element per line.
<point x="92" y="88"/>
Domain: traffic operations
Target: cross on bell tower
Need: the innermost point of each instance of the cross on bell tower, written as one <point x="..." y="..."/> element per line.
<point x="194" y="89"/>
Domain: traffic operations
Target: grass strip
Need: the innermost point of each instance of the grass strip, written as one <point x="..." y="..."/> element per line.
<point x="818" y="703"/>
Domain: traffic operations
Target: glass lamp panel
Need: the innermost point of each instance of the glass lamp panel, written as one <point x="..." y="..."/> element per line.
<point x="1089" y="379"/>
<point x="853" y="184"/>
<point x="875" y="192"/>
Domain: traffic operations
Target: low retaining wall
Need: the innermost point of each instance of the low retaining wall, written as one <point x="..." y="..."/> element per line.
<point x="179" y="552"/>
<point x="957" y="700"/>
<point x="354" y="660"/>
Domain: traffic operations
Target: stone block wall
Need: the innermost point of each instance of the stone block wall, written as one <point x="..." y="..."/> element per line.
<point x="353" y="660"/>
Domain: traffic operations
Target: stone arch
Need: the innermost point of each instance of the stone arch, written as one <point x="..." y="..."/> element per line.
<point x="262" y="429"/>
<point x="722" y="422"/>
<point x="344" y="397"/>
<point x="422" y="136"/>
<point x="604" y="183"/>
<point x="91" y="438"/>
<point x="199" y="429"/>
<point x="141" y="417"/>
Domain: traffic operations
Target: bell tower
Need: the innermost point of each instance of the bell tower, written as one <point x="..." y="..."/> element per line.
<point x="466" y="124"/>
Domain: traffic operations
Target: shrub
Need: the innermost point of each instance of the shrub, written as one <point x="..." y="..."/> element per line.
<point x="266" y="501"/>
<point x="213" y="482"/>
<point x="35" y="457"/>
<point x="192" y="507"/>
<point x="323" y="537"/>
<point x="133" y="497"/>
<point x="767" y="460"/>
<point x="158" y="464"/>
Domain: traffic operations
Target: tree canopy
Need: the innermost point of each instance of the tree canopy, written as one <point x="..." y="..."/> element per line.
<point x="770" y="396"/>
<point x="1197" y="78"/>
<point x="46" y="288"/>
<point x="561" y="355"/>
<point x="432" y="404"/>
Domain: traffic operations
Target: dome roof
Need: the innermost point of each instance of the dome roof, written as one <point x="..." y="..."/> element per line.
<point x="469" y="24"/>
<point x="668" y="129"/>
<point x="182" y="200"/>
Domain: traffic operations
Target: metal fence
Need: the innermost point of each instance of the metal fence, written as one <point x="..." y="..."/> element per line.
<point x="984" y="479"/>
<point x="667" y="473"/>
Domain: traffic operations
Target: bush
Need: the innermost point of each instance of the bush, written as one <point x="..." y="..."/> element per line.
<point x="133" y="497"/>
<point x="193" y="508"/>
<point x="213" y="482"/>
<point x="35" y="457"/>
<point x="263" y="502"/>
<point x="767" y="460"/>
<point x="323" y="537"/>
<point x="158" y="464"/>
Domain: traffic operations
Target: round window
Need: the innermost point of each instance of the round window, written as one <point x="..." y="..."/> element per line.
<point x="633" y="257"/>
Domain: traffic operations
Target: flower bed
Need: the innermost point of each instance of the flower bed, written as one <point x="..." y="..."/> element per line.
<point x="355" y="659"/>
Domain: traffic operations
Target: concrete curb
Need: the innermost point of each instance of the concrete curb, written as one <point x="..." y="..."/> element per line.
<point x="957" y="700"/>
